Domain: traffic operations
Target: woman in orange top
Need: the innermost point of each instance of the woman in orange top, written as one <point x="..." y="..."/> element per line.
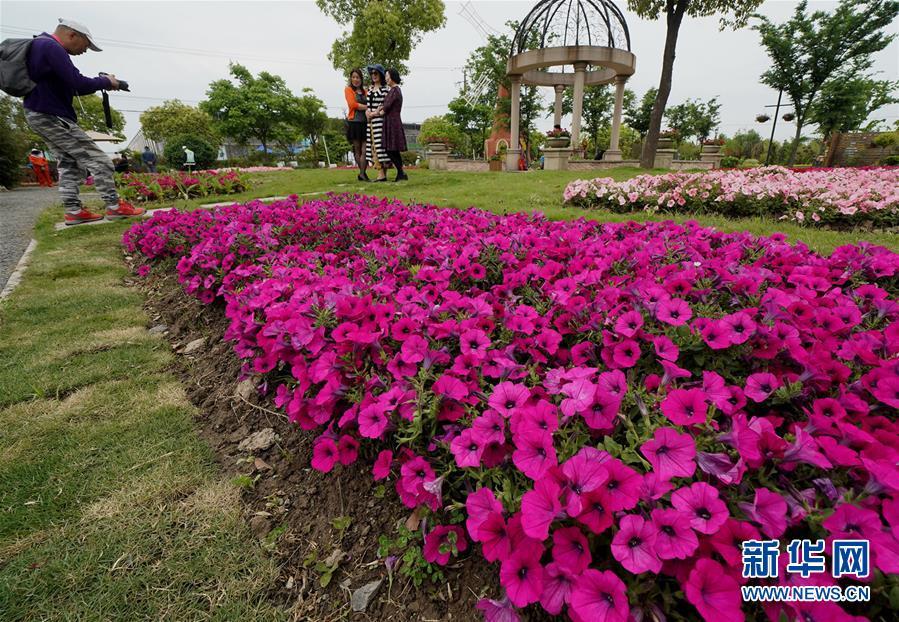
<point x="356" y="122"/>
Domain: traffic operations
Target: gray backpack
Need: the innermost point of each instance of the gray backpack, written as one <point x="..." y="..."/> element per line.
<point x="14" y="78"/>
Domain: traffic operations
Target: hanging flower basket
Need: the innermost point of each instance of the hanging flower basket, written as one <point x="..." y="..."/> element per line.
<point x="762" y="118"/>
<point x="789" y="116"/>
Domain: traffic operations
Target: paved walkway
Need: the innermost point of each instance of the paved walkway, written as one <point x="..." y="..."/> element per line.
<point x="19" y="210"/>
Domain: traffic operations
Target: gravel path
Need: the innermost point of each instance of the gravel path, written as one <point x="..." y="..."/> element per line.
<point x="19" y="210"/>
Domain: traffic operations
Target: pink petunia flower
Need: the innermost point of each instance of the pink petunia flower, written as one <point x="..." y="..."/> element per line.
<point x="583" y="473"/>
<point x="347" y="450"/>
<point x="578" y="396"/>
<point x="714" y="593"/>
<point x="466" y="449"/>
<point x="699" y="502"/>
<point x="324" y="454"/>
<point x="478" y="506"/>
<point x="685" y="406"/>
<point x="534" y="453"/>
<point x="493" y="534"/>
<point x="626" y="353"/>
<point x="372" y="421"/>
<point x="507" y="396"/>
<point x="769" y="510"/>
<point x="670" y="453"/>
<point x="675" y="538"/>
<point x="381" y="469"/>
<point x="623" y="485"/>
<point x="674" y="311"/>
<point x="558" y="582"/>
<point x="600" y="597"/>
<point x="443" y="541"/>
<point x="539" y="508"/>
<point x="522" y="575"/>
<point x="571" y="550"/>
<point x="633" y="545"/>
<point x="498" y="610"/>
<point x="596" y="514"/>
<point x="629" y="323"/>
<point x="489" y="427"/>
<point x="759" y="386"/>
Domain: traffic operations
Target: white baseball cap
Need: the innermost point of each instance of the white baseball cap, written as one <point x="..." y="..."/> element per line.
<point x="82" y="30"/>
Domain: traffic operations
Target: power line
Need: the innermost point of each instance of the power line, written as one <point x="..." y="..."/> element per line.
<point x="170" y="49"/>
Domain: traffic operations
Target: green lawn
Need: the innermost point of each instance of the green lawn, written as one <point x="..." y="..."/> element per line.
<point x="111" y="507"/>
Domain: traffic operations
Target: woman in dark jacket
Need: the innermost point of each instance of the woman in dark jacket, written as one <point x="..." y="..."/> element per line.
<point x="394" y="136"/>
<point x="377" y="155"/>
<point x="357" y="125"/>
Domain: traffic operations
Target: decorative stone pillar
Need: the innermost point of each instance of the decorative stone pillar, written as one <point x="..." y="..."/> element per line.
<point x="664" y="158"/>
<point x="556" y="159"/>
<point x="557" y="110"/>
<point x="614" y="153"/>
<point x="580" y="77"/>
<point x="514" y="151"/>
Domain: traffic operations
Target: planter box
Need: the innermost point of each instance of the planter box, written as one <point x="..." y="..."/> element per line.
<point x="711" y="148"/>
<point x="496" y="165"/>
<point x="665" y="143"/>
<point x="437" y="147"/>
<point x="558" y="143"/>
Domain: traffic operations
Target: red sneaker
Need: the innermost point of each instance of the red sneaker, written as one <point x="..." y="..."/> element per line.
<point x="82" y="217"/>
<point x="124" y="210"/>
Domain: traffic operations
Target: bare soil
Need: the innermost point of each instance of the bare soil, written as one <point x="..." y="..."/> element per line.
<point x="291" y="507"/>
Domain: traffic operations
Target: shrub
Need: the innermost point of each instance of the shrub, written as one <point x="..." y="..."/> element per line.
<point x="892" y="160"/>
<point x="730" y="162"/>
<point x="409" y="158"/>
<point x="750" y="163"/>
<point x="608" y="409"/>
<point x="204" y="153"/>
<point x="440" y="130"/>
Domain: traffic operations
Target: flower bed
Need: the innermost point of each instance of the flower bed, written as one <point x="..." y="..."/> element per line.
<point x="843" y="197"/>
<point x="147" y="187"/>
<point x="609" y="410"/>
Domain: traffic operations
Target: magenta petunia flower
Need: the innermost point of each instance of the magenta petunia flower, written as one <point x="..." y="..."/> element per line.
<point x="507" y="396"/>
<point x="381" y="469"/>
<point x="673" y="311"/>
<point x="596" y="514"/>
<point x="578" y="396"/>
<point x="534" y="453"/>
<point x="539" y="508"/>
<point x="599" y="597"/>
<point x="489" y="427"/>
<point x="498" y="610"/>
<point x="466" y="449"/>
<point x="347" y="450"/>
<point x="443" y="541"/>
<point x="759" y="386"/>
<point x="372" y="421"/>
<point x="478" y="506"/>
<point x="738" y="327"/>
<point x="474" y="342"/>
<point x="675" y="538"/>
<point x="626" y="353"/>
<point x="571" y="550"/>
<point x="583" y="473"/>
<point x="685" y="406"/>
<point x="324" y="454"/>
<point x="493" y="534"/>
<point x="450" y="387"/>
<point x="557" y="584"/>
<point x="699" y="502"/>
<point x="414" y="474"/>
<point x="715" y="336"/>
<point x="522" y="575"/>
<point x="670" y="453"/>
<point x="769" y="510"/>
<point x="665" y="348"/>
<point x="623" y="485"/>
<point x="633" y="545"/>
<point x="851" y="522"/>
<point x="629" y="323"/>
<point x="887" y="391"/>
<point x="714" y="593"/>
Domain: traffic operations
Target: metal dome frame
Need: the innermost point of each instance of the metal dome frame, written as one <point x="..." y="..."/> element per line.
<point x="547" y="11"/>
<point x="529" y="63"/>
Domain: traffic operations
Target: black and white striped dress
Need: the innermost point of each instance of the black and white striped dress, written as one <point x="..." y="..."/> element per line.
<point x="377" y="155"/>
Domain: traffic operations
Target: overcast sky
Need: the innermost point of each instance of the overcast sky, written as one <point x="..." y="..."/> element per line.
<point x="293" y="39"/>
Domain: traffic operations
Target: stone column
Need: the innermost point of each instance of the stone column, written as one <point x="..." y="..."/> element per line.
<point x="514" y="150"/>
<point x="614" y="153"/>
<point x="580" y="77"/>
<point x="557" y="110"/>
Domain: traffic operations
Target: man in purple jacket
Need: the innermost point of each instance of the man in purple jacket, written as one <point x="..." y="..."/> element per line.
<point x="49" y="112"/>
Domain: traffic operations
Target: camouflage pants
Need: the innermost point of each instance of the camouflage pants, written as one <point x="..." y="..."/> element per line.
<point x="77" y="156"/>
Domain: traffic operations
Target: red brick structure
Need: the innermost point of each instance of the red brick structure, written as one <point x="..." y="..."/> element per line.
<point x="501" y="135"/>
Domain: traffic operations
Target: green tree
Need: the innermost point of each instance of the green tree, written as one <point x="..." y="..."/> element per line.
<point x="260" y="107"/>
<point x="809" y="50"/>
<point x="160" y="123"/>
<point x="845" y="105"/>
<point x="89" y="109"/>
<point x="694" y="118"/>
<point x="16" y="139"/>
<point x="748" y="144"/>
<point x="382" y="32"/>
<point x="475" y="120"/>
<point x="311" y="119"/>
<point x="732" y="13"/>
<point x="638" y="115"/>
<point x="598" y="107"/>
<point x="204" y="152"/>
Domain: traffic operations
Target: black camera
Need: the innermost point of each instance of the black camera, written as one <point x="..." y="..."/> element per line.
<point x="123" y="86"/>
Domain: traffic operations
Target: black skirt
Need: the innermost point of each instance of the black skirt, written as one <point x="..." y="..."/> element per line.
<point x="355" y="131"/>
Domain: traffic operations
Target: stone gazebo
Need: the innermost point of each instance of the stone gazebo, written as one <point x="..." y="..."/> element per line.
<point x="589" y="35"/>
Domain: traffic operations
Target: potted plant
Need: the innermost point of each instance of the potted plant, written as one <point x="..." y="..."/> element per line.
<point x="558" y="138"/>
<point x="495" y="162"/>
<point x="667" y="139"/>
<point x="761" y="118"/>
<point x="438" y="133"/>
<point x="712" y="145"/>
